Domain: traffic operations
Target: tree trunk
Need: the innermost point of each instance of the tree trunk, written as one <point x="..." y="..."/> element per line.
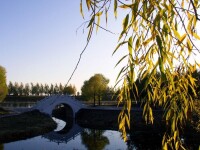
<point x="99" y="99"/>
<point x="94" y="99"/>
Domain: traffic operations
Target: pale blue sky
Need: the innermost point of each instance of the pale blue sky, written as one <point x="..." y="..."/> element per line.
<point x="39" y="43"/>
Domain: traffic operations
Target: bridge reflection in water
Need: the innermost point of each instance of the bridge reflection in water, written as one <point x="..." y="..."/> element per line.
<point x="69" y="132"/>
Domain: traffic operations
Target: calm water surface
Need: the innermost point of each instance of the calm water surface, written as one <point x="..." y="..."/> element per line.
<point x="74" y="137"/>
<point x="87" y="139"/>
<point x="77" y="138"/>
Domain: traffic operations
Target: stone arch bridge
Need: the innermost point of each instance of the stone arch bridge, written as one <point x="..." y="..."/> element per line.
<point x="48" y="104"/>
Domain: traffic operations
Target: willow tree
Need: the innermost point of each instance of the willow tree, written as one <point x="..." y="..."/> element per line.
<point x="160" y="36"/>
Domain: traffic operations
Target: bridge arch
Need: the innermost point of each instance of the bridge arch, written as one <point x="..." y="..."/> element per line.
<point x="63" y="111"/>
<point x="48" y="104"/>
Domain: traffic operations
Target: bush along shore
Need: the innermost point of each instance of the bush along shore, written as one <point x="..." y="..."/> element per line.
<point x="25" y="125"/>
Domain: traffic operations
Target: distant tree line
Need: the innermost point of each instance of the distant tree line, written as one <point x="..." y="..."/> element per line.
<point x="20" y="89"/>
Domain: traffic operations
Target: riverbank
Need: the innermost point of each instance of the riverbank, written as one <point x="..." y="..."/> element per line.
<point x="108" y="119"/>
<point x="24" y="125"/>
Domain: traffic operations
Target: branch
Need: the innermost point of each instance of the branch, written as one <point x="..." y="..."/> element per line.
<point x="105" y="29"/>
<point x="195" y="11"/>
<point x="78" y="62"/>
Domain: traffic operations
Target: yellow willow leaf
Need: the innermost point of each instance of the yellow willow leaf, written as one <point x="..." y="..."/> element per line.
<point x="192" y="80"/>
<point x="177" y="145"/>
<point x="196" y="36"/>
<point x="125" y="6"/>
<point x="91" y="21"/>
<point x="198" y="64"/>
<point x="128" y="121"/>
<point x="189" y="45"/>
<point x="129" y="105"/>
<point x="125" y="22"/>
<point x="173" y="125"/>
<point x="115" y="8"/>
<point x="175" y="135"/>
<point x="181" y="39"/>
<point x="189" y="15"/>
<point x="98" y="21"/>
<point x="177" y="35"/>
<point x="81" y="9"/>
<point x="118" y="46"/>
<point x="151" y="114"/>
<point x="189" y="26"/>
<point x="130" y="45"/>
<point x="193" y="68"/>
<point x="194" y="21"/>
<point x="137" y="44"/>
<point x="122" y="123"/>
<point x="147" y="41"/>
<point x="165" y="147"/>
<point x="168" y="115"/>
<point x="183" y="3"/>
<point x="88" y="2"/>
<point x="99" y="13"/>
<point x="121" y="114"/>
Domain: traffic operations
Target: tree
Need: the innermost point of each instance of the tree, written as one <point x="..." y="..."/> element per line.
<point x="95" y="87"/>
<point x="26" y="90"/>
<point x="10" y="88"/>
<point x="46" y="89"/>
<point x="16" y="89"/>
<point x="159" y="36"/>
<point x="20" y="89"/>
<point x="51" y="89"/>
<point x="3" y="86"/>
<point x="56" y="89"/>
<point x="61" y="89"/>
<point x="41" y="90"/>
<point x="70" y="90"/>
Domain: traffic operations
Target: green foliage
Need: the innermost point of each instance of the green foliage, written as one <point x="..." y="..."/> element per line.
<point x="70" y="90"/>
<point x="3" y="86"/>
<point x="160" y="37"/>
<point x="95" y="87"/>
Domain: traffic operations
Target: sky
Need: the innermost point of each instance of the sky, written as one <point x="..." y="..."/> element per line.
<point x="40" y="43"/>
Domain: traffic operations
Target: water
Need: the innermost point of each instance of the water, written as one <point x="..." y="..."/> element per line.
<point x="86" y="139"/>
<point x="74" y="137"/>
<point x="62" y="138"/>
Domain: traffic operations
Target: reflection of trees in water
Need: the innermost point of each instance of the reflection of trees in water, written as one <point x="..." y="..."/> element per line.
<point x="94" y="139"/>
<point x="1" y="147"/>
<point x="144" y="141"/>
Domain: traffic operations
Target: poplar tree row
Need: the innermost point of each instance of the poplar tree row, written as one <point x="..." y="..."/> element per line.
<point x="39" y="89"/>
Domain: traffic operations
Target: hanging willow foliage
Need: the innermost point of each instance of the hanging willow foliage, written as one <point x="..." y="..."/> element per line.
<point x="160" y="36"/>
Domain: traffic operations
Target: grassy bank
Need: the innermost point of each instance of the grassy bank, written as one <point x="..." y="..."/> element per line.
<point x="24" y="126"/>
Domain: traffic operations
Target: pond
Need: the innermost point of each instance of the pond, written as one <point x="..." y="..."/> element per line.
<point x="82" y="140"/>
<point x="74" y="137"/>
